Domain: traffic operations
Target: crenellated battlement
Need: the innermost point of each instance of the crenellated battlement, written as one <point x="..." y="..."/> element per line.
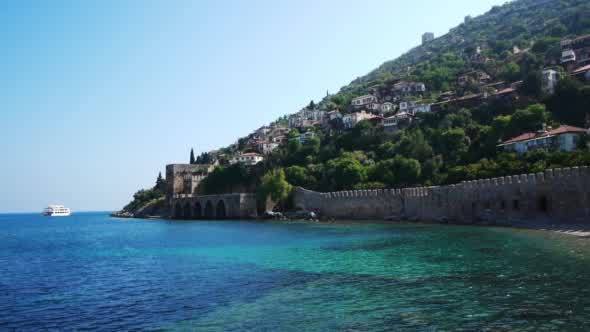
<point x="556" y="194"/>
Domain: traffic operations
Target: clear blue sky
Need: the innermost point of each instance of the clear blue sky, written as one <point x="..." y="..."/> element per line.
<point x="97" y="96"/>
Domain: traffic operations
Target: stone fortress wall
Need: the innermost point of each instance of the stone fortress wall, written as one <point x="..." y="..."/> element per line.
<point x="223" y="206"/>
<point x="557" y="195"/>
<point x="185" y="202"/>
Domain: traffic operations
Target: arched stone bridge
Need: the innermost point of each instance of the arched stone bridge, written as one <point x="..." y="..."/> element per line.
<point x="225" y="206"/>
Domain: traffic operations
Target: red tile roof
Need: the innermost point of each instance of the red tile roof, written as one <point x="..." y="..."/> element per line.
<point x="581" y="70"/>
<point x="505" y="91"/>
<point x="529" y="136"/>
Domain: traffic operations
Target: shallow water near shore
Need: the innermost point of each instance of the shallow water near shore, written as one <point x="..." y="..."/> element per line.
<point x="90" y="271"/>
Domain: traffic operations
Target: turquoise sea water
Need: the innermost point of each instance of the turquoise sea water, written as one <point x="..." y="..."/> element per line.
<point x="90" y="271"/>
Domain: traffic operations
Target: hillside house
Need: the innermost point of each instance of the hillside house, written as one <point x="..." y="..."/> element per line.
<point x="405" y="88"/>
<point x="306" y="118"/>
<point x="420" y="108"/>
<point x="446" y="96"/>
<point x="248" y="158"/>
<point x="351" y="120"/>
<point x="388" y="107"/>
<point x="396" y="122"/>
<point x="406" y="106"/>
<point x="575" y="52"/>
<point x="475" y="77"/>
<point x="267" y="147"/>
<point x="333" y="115"/>
<point x="564" y="138"/>
<point x="365" y="101"/>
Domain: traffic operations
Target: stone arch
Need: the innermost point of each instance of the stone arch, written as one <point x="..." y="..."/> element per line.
<point x="186" y="211"/>
<point x="178" y="211"/>
<point x="197" y="211"/>
<point x="220" y="211"/>
<point x="209" y="210"/>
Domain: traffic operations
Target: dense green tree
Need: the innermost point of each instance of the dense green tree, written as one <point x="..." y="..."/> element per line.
<point x="454" y="144"/>
<point x="414" y="145"/>
<point x="160" y="184"/>
<point x="228" y="179"/>
<point x="510" y="72"/>
<point x="571" y="103"/>
<point x="192" y="158"/>
<point x="530" y="119"/>
<point x="274" y="186"/>
<point x="395" y="172"/>
<point x="345" y="172"/>
<point x="300" y="176"/>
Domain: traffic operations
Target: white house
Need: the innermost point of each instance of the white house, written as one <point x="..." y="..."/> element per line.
<point x="568" y="56"/>
<point x="268" y="147"/>
<point x="249" y="158"/>
<point x="393" y="123"/>
<point x="387" y="107"/>
<point x="406" y="106"/>
<point x="408" y="87"/>
<point x="564" y="138"/>
<point x="420" y="108"/>
<point x="363" y="101"/>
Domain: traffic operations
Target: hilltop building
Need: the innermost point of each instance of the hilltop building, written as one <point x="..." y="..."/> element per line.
<point x="427" y="37"/>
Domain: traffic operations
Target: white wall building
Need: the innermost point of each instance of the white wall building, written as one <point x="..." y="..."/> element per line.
<point x="249" y="158"/>
<point x="267" y="147"/>
<point x="363" y="101"/>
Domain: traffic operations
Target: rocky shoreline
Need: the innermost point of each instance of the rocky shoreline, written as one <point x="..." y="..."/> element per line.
<point x="578" y="230"/>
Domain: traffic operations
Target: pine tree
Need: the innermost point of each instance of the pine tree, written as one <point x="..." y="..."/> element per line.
<point x="160" y="183"/>
<point x="192" y="156"/>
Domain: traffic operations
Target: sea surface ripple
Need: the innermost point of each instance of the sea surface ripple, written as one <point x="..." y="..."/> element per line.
<point x="93" y="272"/>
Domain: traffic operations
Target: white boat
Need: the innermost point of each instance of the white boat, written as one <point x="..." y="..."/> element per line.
<point x="56" y="211"/>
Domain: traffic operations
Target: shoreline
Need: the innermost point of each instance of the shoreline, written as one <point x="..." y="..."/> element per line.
<point x="576" y="230"/>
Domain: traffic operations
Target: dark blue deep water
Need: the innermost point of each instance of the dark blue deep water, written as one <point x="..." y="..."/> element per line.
<point x="90" y="271"/>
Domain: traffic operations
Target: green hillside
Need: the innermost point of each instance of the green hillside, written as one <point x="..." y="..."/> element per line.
<point x="469" y="117"/>
<point x="537" y="25"/>
<point x="513" y="43"/>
